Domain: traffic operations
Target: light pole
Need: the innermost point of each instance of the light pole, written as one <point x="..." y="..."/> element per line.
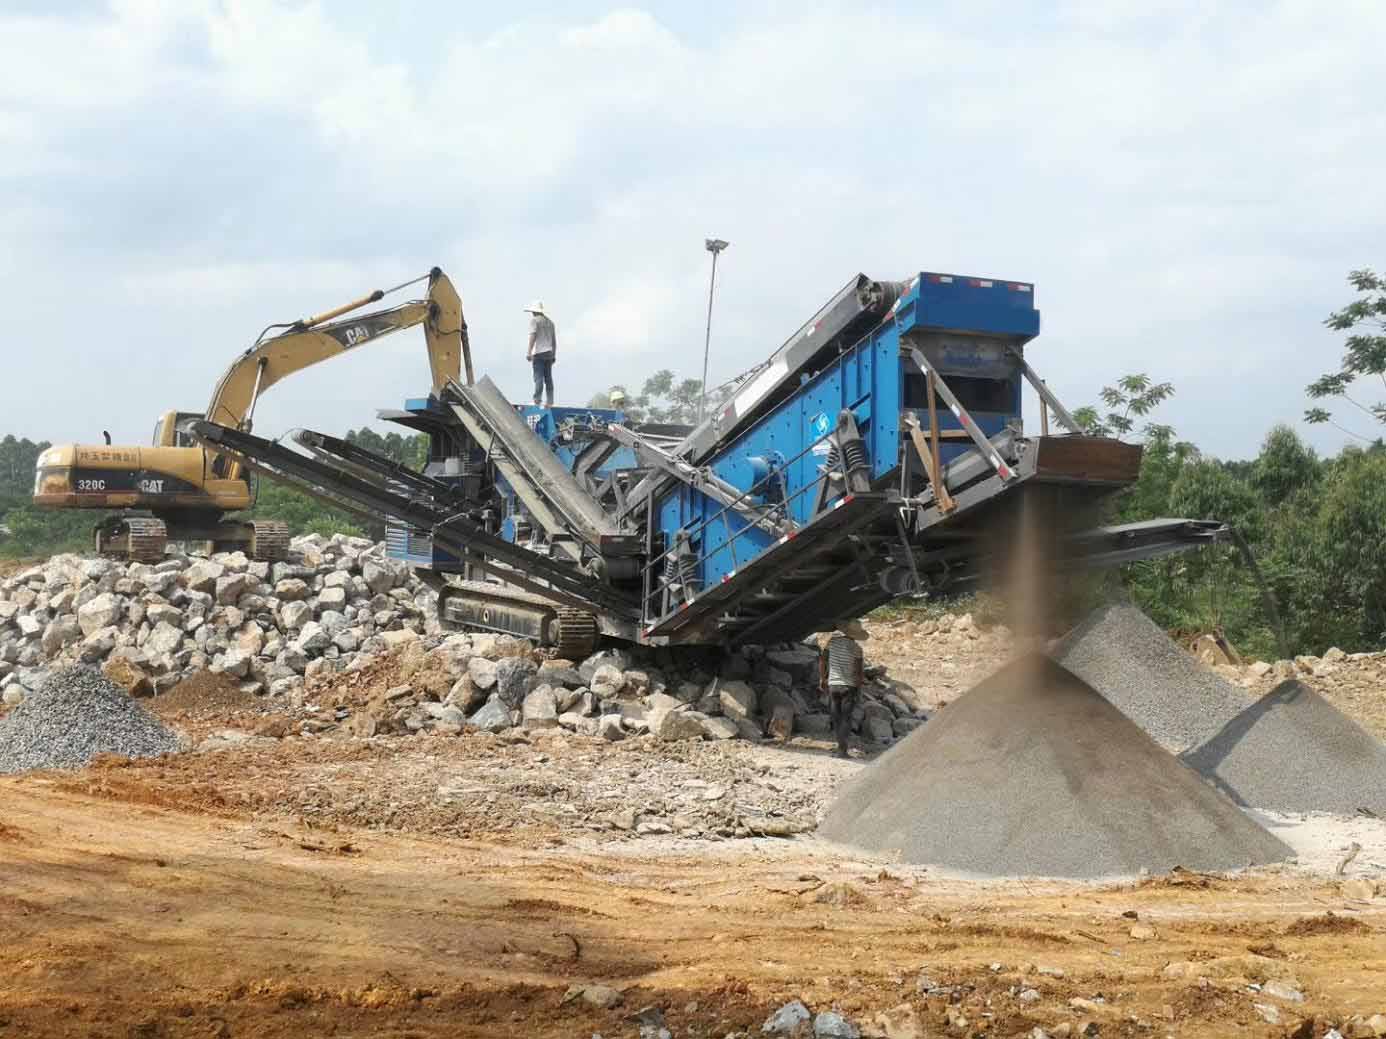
<point x="714" y="246"/>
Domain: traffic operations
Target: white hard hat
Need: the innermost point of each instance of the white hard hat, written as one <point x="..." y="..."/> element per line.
<point x="616" y="397"/>
<point x="537" y="307"/>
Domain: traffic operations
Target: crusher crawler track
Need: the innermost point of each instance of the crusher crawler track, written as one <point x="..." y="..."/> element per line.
<point x="483" y="606"/>
<point x="577" y="633"/>
<point x="138" y="539"/>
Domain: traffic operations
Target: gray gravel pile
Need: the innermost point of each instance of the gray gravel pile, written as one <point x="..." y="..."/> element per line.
<point x="1126" y="657"/>
<point x="75" y="715"/>
<point x="1292" y="750"/>
<point x="1033" y="773"/>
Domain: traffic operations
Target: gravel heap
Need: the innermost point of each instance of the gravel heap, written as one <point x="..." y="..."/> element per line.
<point x="76" y="715"/>
<point x="1033" y="773"/>
<point x="1292" y="750"/>
<point x="1125" y="656"/>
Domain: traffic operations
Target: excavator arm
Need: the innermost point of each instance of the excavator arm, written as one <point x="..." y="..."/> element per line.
<point x="319" y="338"/>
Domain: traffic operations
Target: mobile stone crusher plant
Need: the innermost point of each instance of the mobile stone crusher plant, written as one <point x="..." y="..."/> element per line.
<point x="878" y="453"/>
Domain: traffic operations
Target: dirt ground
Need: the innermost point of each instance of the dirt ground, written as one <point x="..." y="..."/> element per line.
<point x="289" y="884"/>
<point x="170" y="899"/>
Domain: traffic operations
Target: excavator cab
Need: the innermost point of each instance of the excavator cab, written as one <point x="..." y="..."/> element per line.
<point x="169" y="431"/>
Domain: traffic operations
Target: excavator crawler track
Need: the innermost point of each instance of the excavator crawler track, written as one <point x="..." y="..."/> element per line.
<point x="269" y="541"/>
<point x="139" y="539"/>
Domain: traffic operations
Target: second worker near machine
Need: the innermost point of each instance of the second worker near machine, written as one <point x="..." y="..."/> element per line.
<point x="841" y="674"/>
<point x="542" y="352"/>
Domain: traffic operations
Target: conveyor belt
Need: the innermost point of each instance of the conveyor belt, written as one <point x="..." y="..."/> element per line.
<point x="450" y="528"/>
<point x="551" y="493"/>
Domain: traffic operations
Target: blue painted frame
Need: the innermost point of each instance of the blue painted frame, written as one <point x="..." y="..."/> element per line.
<point x="869" y="379"/>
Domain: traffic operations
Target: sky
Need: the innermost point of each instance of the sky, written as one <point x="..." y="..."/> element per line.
<point x="1186" y="184"/>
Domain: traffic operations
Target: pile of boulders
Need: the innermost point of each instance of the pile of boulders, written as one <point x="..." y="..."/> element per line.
<point x="309" y="629"/>
<point x="270" y="625"/>
<point x="1226" y="662"/>
<point x="495" y="682"/>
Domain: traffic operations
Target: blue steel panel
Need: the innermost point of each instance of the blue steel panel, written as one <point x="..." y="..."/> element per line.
<point x="954" y="301"/>
<point x="869" y="379"/>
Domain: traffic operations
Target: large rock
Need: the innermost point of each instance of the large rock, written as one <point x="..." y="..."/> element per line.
<point x="494" y="716"/>
<point x="720" y="728"/>
<point x="165" y="638"/>
<point x="294" y="615"/>
<point x="202" y="576"/>
<point x="129" y="676"/>
<point x="659" y="705"/>
<point x="61" y="632"/>
<point x="610" y="729"/>
<point x="292" y="589"/>
<point x="313" y="639"/>
<point x="737" y="699"/>
<point x="608" y="681"/>
<point x="230" y="587"/>
<point x="779" y="709"/>
<point x="482" y="672"/>
<point x="99" y="643"/>
<point x="801" y="664"/>
<point x="236" y="662"/>
<point x="620" y="659"/>
<point x="831" y="1025"/>
<point x="877" y="723"/>
<point x="515" y="677"/>
<point x="379" y="577"/>
<point x="30" y="627"/>
<point x="561" y="674"/>
<point x="250" y="638"/>
<point x="101" y="612"/>
<point x="680" y="725"/>
<point x="332" y="598"/>
<point x="540" y="710"/>
<point x="790" y="1020"/>
<point x="157" y="612"/>
<point x="466" y="695"/>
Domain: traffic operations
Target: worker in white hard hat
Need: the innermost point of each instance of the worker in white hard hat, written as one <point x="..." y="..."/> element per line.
<point x="617" y="399"/>
<point x="841" y="674"/>
<point x="543" y="351"/>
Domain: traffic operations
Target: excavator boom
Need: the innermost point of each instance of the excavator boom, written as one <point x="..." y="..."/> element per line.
<point x="316" y="339"/>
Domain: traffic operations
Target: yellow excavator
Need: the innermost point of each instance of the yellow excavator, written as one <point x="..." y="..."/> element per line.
<point x="178" y="491"/>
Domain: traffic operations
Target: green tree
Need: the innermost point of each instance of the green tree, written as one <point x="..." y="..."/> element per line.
<point x="409" y="450"/>
<point x="663" y="398"/>
<point x="1162" y="462"/>
<point x="1286" y="465"/>
<point x="1364" y="357"/>
<point x="1133" y="397"/>
<point x="1206" y="489"/>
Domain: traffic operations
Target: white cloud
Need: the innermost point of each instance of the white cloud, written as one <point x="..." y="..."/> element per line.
<point x="1185" y="183"/>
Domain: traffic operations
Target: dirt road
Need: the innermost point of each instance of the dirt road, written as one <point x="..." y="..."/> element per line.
<point x="123" y="919"/>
